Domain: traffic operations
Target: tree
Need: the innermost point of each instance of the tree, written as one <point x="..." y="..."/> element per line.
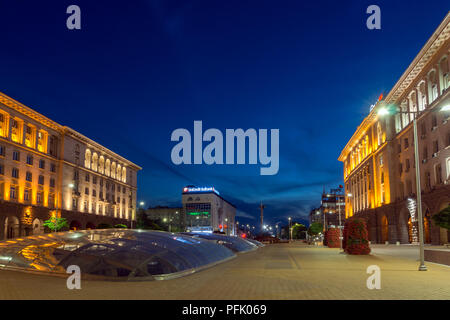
<point x="442" y="219"/>
<point x="315" y="228"/>
<point x="143" y="222"/>
<point x="56" y="223"/>
<point x="297" y="231"/>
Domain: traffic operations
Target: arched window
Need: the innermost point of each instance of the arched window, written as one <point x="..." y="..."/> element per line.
<point x="444" y="67"/>
<point x="119" y="172"/>
<point x="432" y="85"/>
<point x="422" y="96"/>
<point x="124" y="174"/>
<point x="113" y="170"/>
<point x="94" y="161"/>
<point x="87" y="159"/>
<point x="107" y="168"/>
<point x="101" y="165"/>
<point x="379" y="133"/>
<point x="412" y="105"/>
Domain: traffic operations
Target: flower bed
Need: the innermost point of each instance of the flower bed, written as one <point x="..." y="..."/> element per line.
<point x="356" y="237"/>
<point x="333" y="238"/>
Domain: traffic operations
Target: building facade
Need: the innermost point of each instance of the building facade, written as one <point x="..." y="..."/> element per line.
<point x="206" y="211"/>
<point x="379" y="162"/>
<point x="47" y="169"/>
<point x="332" y="205"/>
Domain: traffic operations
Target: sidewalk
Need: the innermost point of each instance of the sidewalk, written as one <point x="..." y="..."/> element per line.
<point x="278" y="271"/>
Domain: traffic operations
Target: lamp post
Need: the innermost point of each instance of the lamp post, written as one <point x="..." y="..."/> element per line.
<point x="290" y="231"/>
<point x="385" y="111"/>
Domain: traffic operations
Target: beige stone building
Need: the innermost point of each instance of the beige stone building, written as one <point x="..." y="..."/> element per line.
<point x="379" y="164"/>
<point x="48" y="169"/>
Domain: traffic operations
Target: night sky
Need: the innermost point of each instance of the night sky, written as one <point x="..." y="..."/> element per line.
<point x="137" y="70"/>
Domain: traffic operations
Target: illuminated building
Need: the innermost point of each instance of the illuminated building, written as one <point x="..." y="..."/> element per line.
<point x="332" y="203"/>
<point x="206" y="211"/>
<point x="379" y="159"/>
<point x="47" y="169"/>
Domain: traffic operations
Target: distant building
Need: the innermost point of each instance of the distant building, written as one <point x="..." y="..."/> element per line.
<point x="206" y="211"/>
<point x="171" y="217"/>
<point x="331" y="206"/>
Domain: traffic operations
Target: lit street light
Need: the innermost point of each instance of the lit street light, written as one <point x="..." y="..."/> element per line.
<point x="290" y="231"/>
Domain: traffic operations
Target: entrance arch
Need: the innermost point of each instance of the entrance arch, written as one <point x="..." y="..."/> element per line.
<point x="75" y="225"/>
<point x="90" y="226"/>
<point x="38" y="226"/>
<point x="427" y="226"/>
<point x="12" y="227"/>
<point x="384" y="229"/>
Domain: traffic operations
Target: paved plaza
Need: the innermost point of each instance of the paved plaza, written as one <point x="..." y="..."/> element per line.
<point x="278" y="271"/>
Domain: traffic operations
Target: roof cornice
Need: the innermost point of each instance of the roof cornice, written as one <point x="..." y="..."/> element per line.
<point x="425" y="55"/>
<point x="19" y="107"/>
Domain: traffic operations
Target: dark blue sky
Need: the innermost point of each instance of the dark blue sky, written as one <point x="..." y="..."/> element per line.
<point x="137" y="70"/>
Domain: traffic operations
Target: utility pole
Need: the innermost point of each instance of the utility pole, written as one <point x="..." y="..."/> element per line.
<point x="261" y="206"/>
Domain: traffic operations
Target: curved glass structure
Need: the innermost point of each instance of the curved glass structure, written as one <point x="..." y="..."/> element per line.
<point x="113" y="254"/>
<point x="259" y="244"/>
<point x="233" y="243"/>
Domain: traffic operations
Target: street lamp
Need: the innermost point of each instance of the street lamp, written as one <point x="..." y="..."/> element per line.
<point x="385" y="111"/>
<point x="290" y="231"/>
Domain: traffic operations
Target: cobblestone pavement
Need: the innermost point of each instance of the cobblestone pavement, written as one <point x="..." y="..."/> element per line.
<point x="279" y="271"/>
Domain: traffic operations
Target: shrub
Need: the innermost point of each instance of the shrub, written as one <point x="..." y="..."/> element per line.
<point x="104" y="226"/>
<point x="120" y="226"/>
<point x="442" y="219"/>
<point x="356" y="237"/>
<point x="332" y="238"/>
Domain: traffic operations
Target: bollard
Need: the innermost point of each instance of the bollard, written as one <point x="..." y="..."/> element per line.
<point x="386" y="242"/>
<point x="397" y="243"/>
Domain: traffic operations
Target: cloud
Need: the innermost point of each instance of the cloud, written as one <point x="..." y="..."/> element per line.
<point x="242" y="214"/>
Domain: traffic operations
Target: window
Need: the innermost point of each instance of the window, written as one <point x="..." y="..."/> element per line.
<point x="86" y="191"/>
<point x="41" y="180"/>
<point x="30" y="160"/>
<point x="406" y="143"/>
<point x="52" y="167"/>
<point x="74" y="203"/>
<point x="51" y="200"/>
<point x="85" y="206"/>
<point x="435" y="146"/>
<point x="75" y="174"/>
<point x="94" y="193"/>
<point x="87" y="177"/>
<point x="39" y="197"/>
<point x="13" y="192"/>
<point x="438" y="172"/>
<point x="29" y="176"/>
<point x="16" y="155"/>
<point x="124" y="190"/>
<point x="379" y="133"/>
<point x="381" y="160"/>
<point x="94" y="180"/>
<point x="26" y="195"/>
<point x="15" y="173"/>
<point x="407" y="165"/>
<point x="428" y="180"/>
<point x="42" y="164"/>
<point x="425" y="153"/>
<point x="433" y="122"/>
<point x="52" y="182"/>
<point x="2" y="169"/>
<point x="2" y="151"/>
